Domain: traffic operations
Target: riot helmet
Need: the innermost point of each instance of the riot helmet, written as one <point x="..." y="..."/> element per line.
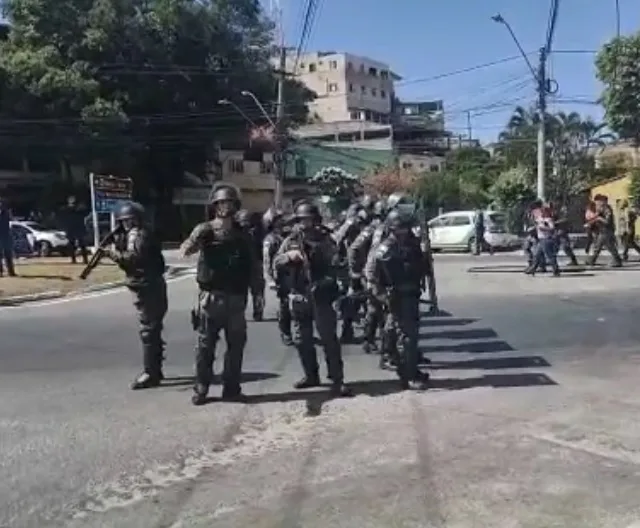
<point x="401" y="201"/>
<point x="367" y="202"/>
<point x="224" y="200"/>
<point x="130" y="214"/>
<point x="379" y="209"/>
<point x="399" y="222"/>
<point x="352" y="210"/>
<point x="307" y="214"/>
<point x="243" y="217"/>
<point x="271" y="218"/>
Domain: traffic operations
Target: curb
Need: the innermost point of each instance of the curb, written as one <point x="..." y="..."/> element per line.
<point x="17" y="300"/>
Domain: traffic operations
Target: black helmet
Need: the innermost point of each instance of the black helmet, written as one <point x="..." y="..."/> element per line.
<point x="307" y="210"/>
<point x="398" y="219"/>
<point x="397" y="198"/>
<point x="243" y="217"/>
<point x="130" y="210"/>
<point x="367" y="202"/>
<point x="379" y="208"/>
<point x="271" y="216"/>
<point x="225" y="192"/>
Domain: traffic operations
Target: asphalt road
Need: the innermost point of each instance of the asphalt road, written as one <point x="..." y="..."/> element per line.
<point x="531" y="420"/>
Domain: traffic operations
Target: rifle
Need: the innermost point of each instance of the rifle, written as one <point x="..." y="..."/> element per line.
<point x="100" y="251"/>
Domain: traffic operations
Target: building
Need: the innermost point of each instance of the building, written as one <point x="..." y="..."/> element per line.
<point x="348" y="87"/>
<point x="420" y="114"/>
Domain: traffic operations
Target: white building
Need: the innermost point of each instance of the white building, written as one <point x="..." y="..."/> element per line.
<point x="348" y="87"/>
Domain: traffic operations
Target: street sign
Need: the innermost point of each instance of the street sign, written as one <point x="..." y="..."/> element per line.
<point x="108" y="193"/>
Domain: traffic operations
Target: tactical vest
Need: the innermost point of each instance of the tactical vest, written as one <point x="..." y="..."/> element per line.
<point x="402" y="263"/>
<point x="225" y="265"/>
<point x="151" y="266"/>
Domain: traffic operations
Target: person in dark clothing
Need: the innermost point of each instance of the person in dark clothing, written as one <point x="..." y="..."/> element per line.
<point x="253" y="228"/>
<point x="6" y="241"/>
<point x="139" y="254"/>
<point x="604" y="221"/>
<point x="627" y="229"/>
<point x="227" y="268"/>
<point x="74" y="227"/>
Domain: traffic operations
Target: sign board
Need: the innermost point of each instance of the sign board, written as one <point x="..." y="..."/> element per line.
<point x="108" y="193"/>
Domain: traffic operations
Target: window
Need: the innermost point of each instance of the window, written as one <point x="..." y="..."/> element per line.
<point x="459" y="220"/>
<point x="434" y="168"/>
<point x="373" y="72"/>
<point x="349" y="66"/>
<point x="384" y="74"/>
<point x="333" y="87"/>
<point x="383" y="94"/>
<point x="363" y="89"/>
<point x="20" y="231"/>
<point x="312" y="67"/>
<point x="374" y="92"/>
<point x="362" y="68"/>
<point x="301" y="167"/>
<point x="355" y="115"/>
<point x="266" y="167"/>
<point x="236" y="166"/>
<point x="407" y="165"/>
<point x="333" y="65"/>
<point x="350" y="87"/>
<point x="302" y="65"/>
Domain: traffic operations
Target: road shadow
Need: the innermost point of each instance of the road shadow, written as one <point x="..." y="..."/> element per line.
<point x="470" y="347"/>
<point x="480" y="341"/>
<point x="510" y="268"/>
<point x="496" y="381"/>
<point x="46" y="277"/>
<point x="188" y="381"/>
<point x="521" y="362"/>
<point x="271" y="319"/>
<point x="316" y="398"/>
<point x="470" y="333"/>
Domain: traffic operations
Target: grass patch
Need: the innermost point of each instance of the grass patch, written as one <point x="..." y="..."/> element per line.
<point x="39" y="275"/>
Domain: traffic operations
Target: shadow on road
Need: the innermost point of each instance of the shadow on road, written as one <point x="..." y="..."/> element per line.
<point x="481" y="341"/>
<point x="496" y="381"/>
<point x="569" y="271"/>
<point x="188" y="381"/>
<point x="521" y="362"/>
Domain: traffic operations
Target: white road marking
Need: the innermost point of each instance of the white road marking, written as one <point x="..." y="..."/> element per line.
<point x="93" y="295"/>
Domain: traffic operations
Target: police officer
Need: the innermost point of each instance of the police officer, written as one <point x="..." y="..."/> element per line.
<point x="604" y="222"/>
<point x="306" y="261"/>
<point x="398" y="272"/>
<point x="139" y="254"/>
<point x="227" y="267"/>
<point x="257" y="287"/>
<point x="356" y="258"/>
<point x="273" y="221"/>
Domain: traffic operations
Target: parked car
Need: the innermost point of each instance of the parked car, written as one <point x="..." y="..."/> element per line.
<point x="455" y="230"/>
<point x="43" y="241"/>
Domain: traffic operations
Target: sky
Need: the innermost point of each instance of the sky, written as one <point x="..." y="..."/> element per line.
<point x="421" y="39"/>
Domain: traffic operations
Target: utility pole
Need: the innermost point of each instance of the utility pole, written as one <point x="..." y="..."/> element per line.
<point x="543" y="90"/>
<point x="280" y="132"/>
<point x="469" y="130"/>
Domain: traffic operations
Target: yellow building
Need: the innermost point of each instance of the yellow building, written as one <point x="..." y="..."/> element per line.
<point x="616" y="190"/>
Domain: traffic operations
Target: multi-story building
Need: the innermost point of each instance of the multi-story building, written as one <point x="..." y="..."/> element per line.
<point x="348" y="87"/>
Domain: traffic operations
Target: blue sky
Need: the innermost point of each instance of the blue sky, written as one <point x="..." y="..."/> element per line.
<point x="420" y="39"/>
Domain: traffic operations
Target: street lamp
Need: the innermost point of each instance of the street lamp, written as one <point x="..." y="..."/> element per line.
<point x="542" y="87"/>
<point x="226" y="102"/>
<point x="247" y="93"/>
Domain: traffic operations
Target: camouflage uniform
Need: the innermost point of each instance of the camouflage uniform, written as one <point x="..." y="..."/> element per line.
<point x="398" y="270"/>
<point x="305" y="261"/>
<point x="139" y="254"/>
<point x="227" y="267"/>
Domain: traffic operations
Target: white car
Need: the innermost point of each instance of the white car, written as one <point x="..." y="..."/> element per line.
<point x="455" y="230"/>
<point x="42" y="240"/>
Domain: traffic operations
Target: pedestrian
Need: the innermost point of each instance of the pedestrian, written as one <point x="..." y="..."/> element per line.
<point x="306" y="262"/>
<point x="139" y="254"/>
<point x="73" y="223"/>
<point x="227" y="268"/>
<point x="546" y="248"/>
<point x="6" y="240"/>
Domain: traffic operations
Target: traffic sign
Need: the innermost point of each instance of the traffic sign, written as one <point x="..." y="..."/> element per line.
<point x="109" y="192"/>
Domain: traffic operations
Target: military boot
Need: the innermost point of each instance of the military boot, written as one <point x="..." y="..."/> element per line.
<point x="147" y="381"/>
<point x="307" y="382"/>
<point x="340" y="390"/>
<point x="232" y="392"/>
<point x="200" y="393"/>
<point x="347" y="336"/>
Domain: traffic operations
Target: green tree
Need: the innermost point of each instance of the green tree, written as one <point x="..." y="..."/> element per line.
<point x="634" y="187"/>
<point x="339" y="186"/>
<point x="618" y="68"/>
<point x="475" y="171"/>
<point x="512" y="193"/>
<point x="136" y="83"/>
